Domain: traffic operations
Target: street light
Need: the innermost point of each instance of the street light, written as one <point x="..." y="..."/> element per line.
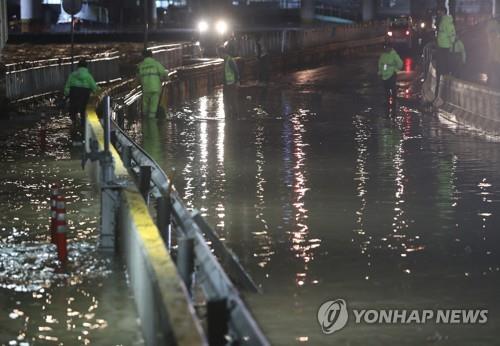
<point x="221" y="27"/>
<point x="202" y="26"/>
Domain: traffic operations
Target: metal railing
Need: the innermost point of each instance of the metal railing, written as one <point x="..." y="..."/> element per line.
<point x="39" y="77"/>
<point x="282" y="41"/>
<point x="30" y="79"/>
<point x="191" y="234"/>
<point x="186" y="235"/>
<point x="169" y="56"/>
<point x="163" y="304"/>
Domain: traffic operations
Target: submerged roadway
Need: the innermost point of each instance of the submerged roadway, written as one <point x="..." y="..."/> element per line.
<point x="322" y="195"/>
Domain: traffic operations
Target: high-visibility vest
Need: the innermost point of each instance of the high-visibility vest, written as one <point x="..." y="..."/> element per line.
<point x="229" y="75"/>
<point x="150" y="72"/>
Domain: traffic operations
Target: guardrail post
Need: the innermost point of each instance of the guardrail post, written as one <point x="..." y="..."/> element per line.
<point x="163" y="214"/>
<point x="185" y="261"/>
<point x="113" y="137"/>
<point x="145" y="182"/>
<point x="217" y="320"/>
<point x="120" y="118"/>
<point x="110" y="193"/>
<point x="127" y="156"/>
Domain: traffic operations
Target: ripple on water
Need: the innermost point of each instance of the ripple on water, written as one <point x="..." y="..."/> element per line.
<point x="31" y="267"/>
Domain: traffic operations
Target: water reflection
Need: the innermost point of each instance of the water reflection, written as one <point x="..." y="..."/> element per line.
<point x="423" y="200"/>
<point x="362" y="137"/>
<point x="264" y="242"/>
<point x="294" y="157"/>
<point x="43" y="303"/>
<point x="205" y="131"/>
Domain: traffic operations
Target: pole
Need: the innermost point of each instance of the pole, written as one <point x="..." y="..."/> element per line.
<point x="107" y="124"/>
<point x="72" y="40"/>
<point x="217" y="318"/>
<point x="185" y="261"/>
<point x="107" y="167"/>
<point x="145" y="182"/>
<point x="146" y="24"/>
<point x="163" y="211"/>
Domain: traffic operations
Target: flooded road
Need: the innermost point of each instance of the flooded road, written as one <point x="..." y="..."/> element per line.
<point x="89" y="303"/>
<point x="322" y="196"/>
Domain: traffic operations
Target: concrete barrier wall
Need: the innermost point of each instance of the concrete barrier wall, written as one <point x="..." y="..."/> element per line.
<point x="167" y="317"/>
<point x="473" y="105"/>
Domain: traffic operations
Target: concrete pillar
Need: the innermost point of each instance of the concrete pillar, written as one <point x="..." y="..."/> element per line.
<point x="4" y="30"/>
<point x="27" y="9"/>
<point x="368" y="10"/>
<point x="307" y="11"/>
<point x="154" y="16"/>
<point x="27" y="14"/>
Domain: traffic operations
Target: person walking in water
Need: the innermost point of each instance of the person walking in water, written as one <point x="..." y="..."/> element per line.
<point x="78" y="87"/>
<point x="389" y="64"/>
<point x="446" y="36"/>
<point x="231" y="81"/>
<point x="150" y="74"/>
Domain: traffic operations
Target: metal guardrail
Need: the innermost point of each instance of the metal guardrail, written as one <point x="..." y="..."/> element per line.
<point x="190" y="226"/>
<point x="39" y="77"/>
<point x="167" y="315"/>
<point x="169" y="56"/>
<point x="36" y="78"/>
<point x="282" y="41"/>
<point x="186" y="235"/>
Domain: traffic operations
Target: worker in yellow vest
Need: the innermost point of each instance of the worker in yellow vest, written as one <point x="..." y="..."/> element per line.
<point x="78" y="87"/>
<point x="446" y="35"/>
<point x="389" y="63"/>
<point x="231" y="83"/>
<point x="150" y="74"/>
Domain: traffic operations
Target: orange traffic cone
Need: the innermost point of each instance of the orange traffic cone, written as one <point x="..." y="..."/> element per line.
<point x="54" y="192"/>
<point x="62" y="247"/>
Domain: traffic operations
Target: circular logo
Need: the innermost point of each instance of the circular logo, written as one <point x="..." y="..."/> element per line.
<point x="333" y="316"/>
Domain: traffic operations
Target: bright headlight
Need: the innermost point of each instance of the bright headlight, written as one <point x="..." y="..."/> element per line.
<point x="221" y="27"/>
<point x="422" y="25"/>
<point x="202" y="26"/>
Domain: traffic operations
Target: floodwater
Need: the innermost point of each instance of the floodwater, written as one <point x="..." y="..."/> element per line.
<point x="323" y="196"/>
<point x="88" y="302"/>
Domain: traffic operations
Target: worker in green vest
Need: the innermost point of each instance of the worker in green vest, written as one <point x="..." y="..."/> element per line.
<point x="231" y="83"/>
<point x="389" y="64"/>
<point x="78" y="87"/>
<point x="150" y="74"/>
<point x="446" y="36"/>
